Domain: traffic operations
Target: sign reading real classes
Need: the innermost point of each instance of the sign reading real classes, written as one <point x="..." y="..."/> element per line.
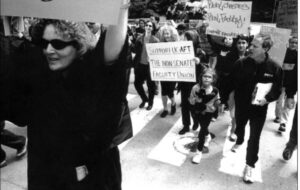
<point x="100" y="11"/>
<point x="172" y="61"/>
<point x="228" y="18"/>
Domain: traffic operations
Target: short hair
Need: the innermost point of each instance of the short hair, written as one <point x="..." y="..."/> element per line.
<point x="211" y="71"/>
<point x="77" y="31"/>
<point x="267" y="41"/>
<point x="171" y="29"/>
<point x="293" y="38"/>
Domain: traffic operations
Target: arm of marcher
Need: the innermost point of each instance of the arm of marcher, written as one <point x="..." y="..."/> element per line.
<point x="116" y="35"/>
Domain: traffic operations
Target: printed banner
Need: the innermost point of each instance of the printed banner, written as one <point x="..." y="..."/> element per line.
<point x="172" y="61"/>
<point x="100" y="11"/>
<point x="228" y="18"/>
<point x="280" y="36"/>
<point x="287" y="15"/>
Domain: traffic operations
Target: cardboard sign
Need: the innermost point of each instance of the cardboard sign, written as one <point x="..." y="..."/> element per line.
<point x="280" y="36"/>
<point x="99" y="11"/>
<point x="287" y="15"/>
<point x="228" y="18"/>
<point x="172" y="61"/>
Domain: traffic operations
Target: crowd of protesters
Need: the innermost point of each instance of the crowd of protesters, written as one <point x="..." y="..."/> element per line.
<point x="70" y="78"/>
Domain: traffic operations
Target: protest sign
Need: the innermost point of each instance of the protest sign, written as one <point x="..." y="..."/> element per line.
<point x="172" y="61"/>
<point x="228" y="18"/>
<point x="287" y="15"/>
<point x="280" y="36"/>
<point x="100" y="11"/>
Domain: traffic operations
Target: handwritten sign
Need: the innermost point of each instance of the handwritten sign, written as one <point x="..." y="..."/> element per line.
<point x="100" y="11"/>
<point x="172" y="61"/>
<point x="280" y="36"/>
<point x="287" y="15"/>
<point x="228" y="18"/>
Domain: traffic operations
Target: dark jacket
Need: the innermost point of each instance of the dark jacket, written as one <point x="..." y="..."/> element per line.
<point x="290" y="61"/>
<point x="137" y="48"/>
<point x="72" y="120"/>
<point x="292" y="85"/>
<point x="247" y="73"/>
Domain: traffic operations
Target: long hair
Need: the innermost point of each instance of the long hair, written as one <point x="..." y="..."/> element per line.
<point x="68" y="30"/>
<point x="192" y="35"/>
<point x="172" y="30"/>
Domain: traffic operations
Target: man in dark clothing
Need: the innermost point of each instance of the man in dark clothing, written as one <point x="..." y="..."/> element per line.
<point x="249" y="73"/>
<point x="291" y="89"/>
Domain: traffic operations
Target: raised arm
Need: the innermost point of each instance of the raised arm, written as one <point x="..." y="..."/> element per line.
<point x="116" y="35"/>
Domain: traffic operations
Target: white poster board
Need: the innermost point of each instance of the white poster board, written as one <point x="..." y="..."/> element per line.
<point x="172" y="61"/>
<point x="228" y="18"/>
<point x="100" y="11"/>
<point x="287" y="15"/>
<point x="280" y="36"/>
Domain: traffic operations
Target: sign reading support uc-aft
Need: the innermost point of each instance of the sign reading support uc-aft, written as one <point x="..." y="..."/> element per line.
<point x="100" y="11"/>
<point x="172" y="61"/>
<point x="228" y="18"/>
<point x="280" y="36"/>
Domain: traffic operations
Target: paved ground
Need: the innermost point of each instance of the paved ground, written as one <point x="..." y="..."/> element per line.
<point x="150" y="160"/>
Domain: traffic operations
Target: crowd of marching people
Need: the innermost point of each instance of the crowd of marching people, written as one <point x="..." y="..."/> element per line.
<point x="70" y="78"/>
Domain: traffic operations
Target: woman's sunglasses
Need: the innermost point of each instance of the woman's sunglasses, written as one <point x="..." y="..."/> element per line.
<point x="149" y="25"/>
<point x="56" y="44"/>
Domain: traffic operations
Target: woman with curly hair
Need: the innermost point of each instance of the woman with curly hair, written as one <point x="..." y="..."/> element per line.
<point x="168" y="34"/>
<point x="72" y="99"/>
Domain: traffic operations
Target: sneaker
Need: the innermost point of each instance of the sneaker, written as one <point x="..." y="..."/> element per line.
<point x="142" y="104"/>
<point x="164" y="113"/>
<point x="235" y="147"/>
<point x="22" y="151"/>
<point x="195" y="126"/>
<point x="173" y="109"/>
<point x="184" y="130"/>
<point x="232" y="137"/>
<point x="197" y="158"/>
<point x="207" y="140"/>
<point x="287" y="153"/>
<point x="3" y="163"/>
<point x="281" y="128"/>
<point x="248" y="174"/>
<point x="277" y="120"/>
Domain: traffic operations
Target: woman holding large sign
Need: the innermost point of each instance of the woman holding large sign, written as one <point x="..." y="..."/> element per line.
<point x="168" y="34"/>
<point x="69" y="91"/>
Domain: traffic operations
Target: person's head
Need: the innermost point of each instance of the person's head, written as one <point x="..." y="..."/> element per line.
<point x="242" y="43"/>
<point x="142" y="23"/>
<point x="208" y="77"/>
<point x="228" y="41"/>
<point x="154" y="19"/>
<point x="168" y="34"/>
<point x="260" y="45"/>
<point x="192" y="35"/>
<point x="62" y="41"/>
<point x="293" y="43"/>
<point x="181" y="28"/>
<point x="150" y="28"/>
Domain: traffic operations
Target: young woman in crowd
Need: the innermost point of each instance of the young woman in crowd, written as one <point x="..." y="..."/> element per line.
<point x="204" y="99"/>
<point x="70" y="94"/>
<point x="141" y="66"/>
<point x="240" y="51"/>
<point x="168" y="34"/>
<point x="186" y="87"/>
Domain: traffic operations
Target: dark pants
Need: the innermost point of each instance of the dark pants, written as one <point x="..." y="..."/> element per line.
<point x="204" y="121"/>
<point x="257" y="116"/>
<point x="186" y="110"/>
<point x="10" y="139"/>
<point x="293" y="141"/>
<point x="46" y="175"/>
<point x="142" y="74"/>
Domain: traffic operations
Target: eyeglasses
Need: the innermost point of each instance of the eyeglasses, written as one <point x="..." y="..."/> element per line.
<point x="56" y="44"/>
<point x="242" y="42"/>
<point x="149" y="25"/>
